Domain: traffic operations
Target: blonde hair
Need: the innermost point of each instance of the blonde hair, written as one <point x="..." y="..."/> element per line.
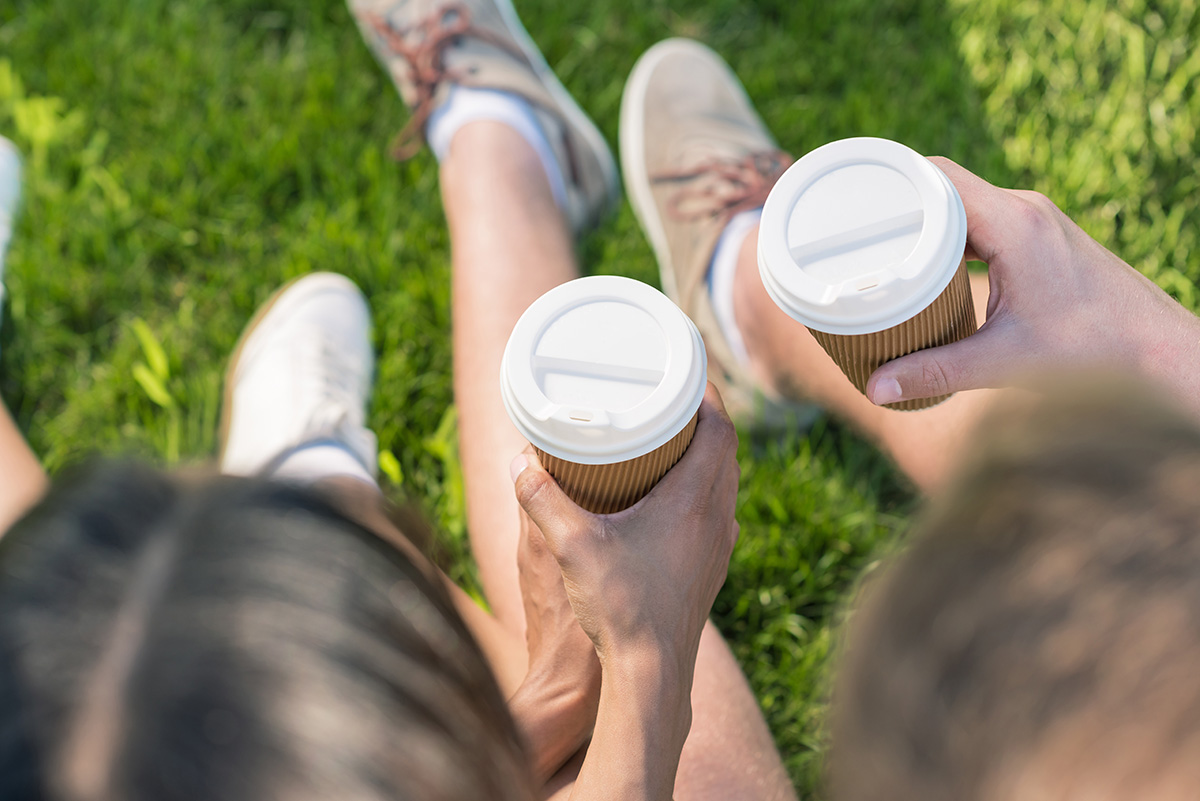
<point x="1041" y="636"/>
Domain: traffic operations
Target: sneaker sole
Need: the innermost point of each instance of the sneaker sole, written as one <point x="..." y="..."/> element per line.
<point x="576" y="116"/>
<point x="317" y="280"/>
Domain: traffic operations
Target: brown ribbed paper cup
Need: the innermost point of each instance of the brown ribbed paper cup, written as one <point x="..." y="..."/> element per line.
<point x="604" y="376"/>
<point x="862" y="241"/>
<point x="607" y="488"/>
<point x="948" y="319"/>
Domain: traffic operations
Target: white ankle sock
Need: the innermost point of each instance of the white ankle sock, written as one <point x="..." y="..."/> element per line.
<point x="466" y="104"/>
<point x="320" y="460"/>
<point x="721" y="272"/>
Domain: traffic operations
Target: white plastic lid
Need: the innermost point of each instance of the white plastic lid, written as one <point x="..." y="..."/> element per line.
<point x="602" y="369"/>
<point x="859" y="236"/>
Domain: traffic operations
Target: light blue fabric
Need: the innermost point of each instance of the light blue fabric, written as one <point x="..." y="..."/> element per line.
<point x="10" y="194"/>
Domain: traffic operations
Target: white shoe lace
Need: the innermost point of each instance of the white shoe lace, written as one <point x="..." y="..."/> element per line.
<point x="331" y="384"/>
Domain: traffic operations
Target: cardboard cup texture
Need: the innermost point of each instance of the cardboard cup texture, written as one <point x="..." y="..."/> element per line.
<point x="948" y="319"/>
<point x="607" y="488"/>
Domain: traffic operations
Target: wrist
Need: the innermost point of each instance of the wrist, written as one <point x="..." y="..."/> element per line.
<point x="643" y="721"/>
<point x="653" y="685"/>
<point x="1166" y="344"/>
<point x="651" y="652"/>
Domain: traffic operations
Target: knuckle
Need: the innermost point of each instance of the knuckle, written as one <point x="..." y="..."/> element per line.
<point x="529" y="487"/>
<point x="1036" y="213"/>
<point x="1042" y="201"/>
<point x="935" y="378"/>
<point x="729" y="437"/>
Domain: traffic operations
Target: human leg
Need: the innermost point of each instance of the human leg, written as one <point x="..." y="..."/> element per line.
<point x="23" y="480"/>
<point x="509" y="245"/>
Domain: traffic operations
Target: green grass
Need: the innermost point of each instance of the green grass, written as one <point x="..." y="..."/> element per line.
<point x="187" y="158"/>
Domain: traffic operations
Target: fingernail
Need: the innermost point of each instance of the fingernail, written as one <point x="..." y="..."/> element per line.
<point x="517" y="466"/>
<point x="887" y="391"/>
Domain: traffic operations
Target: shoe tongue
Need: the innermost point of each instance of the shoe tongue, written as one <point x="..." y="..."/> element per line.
<point x="724" y="142"/>
<point x="482" y="65"/>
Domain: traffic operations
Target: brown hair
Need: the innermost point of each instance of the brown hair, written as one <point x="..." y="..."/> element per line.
<point x="163" y="640"/>
<point x="1041" y="637"/>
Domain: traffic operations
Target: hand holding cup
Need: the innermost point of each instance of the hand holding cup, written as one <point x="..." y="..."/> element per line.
<point x="1059" y="301"/>
<point x="642" y="581"/>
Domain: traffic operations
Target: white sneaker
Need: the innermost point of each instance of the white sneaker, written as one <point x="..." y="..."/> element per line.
<point x="10" y="194"/>
<point x="300" y="376"/>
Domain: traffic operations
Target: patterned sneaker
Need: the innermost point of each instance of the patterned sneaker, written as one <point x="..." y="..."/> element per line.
<point x="301" y="375"/>
<point x="427" y="46"/>
<point x="694" y="154"/>
<point x="10" y="194"/>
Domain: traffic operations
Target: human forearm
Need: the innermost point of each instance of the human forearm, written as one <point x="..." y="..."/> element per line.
<point x="643" y="721"/>
<point x="1166" y="350"/>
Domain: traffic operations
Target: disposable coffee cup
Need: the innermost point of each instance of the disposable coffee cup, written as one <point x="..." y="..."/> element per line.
<point x="604" y="376"/>
<point x="862" y="241"/>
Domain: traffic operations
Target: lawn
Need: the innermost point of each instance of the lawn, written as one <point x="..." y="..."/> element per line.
<point x="186" y="158"/>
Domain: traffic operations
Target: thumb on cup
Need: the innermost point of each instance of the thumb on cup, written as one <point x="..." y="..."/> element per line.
<point x="550" y="509"/>
<point x="978" y="361"/>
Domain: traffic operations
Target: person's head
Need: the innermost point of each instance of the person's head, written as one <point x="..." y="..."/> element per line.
<point x="1040" y="639"/>
<point x="167" y="640"/>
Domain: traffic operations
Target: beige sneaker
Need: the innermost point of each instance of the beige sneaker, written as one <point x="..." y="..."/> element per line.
<point x="427" y="46"/>
<point x="694" y="154"/>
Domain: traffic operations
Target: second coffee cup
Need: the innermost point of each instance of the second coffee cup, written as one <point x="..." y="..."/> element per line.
<point x="862" y="241"/>
<point x="604" y="376"/>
